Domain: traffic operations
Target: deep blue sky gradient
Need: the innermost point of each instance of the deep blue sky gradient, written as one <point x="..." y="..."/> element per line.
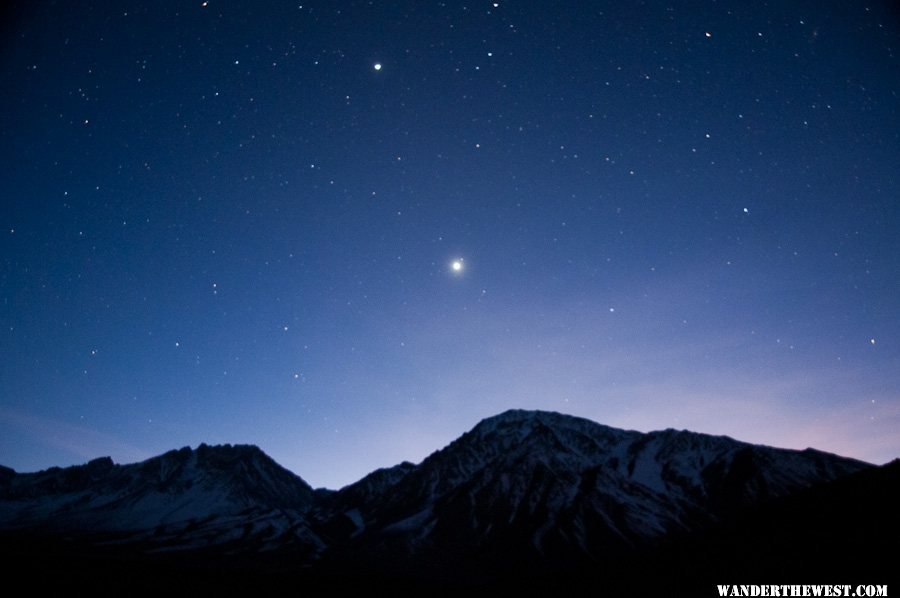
<point x="221" y="223"/>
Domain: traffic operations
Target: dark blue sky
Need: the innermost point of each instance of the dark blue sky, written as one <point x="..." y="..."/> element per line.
<point x="222" y="223"/>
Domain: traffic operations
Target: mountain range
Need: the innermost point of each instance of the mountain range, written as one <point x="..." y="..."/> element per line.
<point x="524" y="497"/>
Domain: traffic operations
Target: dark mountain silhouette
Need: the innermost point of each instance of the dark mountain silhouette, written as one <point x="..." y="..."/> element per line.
<point x="522" y="496"/>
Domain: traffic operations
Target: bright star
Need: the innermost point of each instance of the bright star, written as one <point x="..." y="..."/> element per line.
<point x="377" y="66"/>
<point x="456" y="265"/>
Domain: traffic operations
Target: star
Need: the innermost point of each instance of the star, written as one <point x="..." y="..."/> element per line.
<point x="377" y="66"/>
<point x="457" y="265"/>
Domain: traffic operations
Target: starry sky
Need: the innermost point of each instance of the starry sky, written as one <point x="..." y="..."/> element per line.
<point x="347" y="231"/>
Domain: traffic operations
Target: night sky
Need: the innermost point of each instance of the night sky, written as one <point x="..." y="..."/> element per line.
<point x="238" y="222"/>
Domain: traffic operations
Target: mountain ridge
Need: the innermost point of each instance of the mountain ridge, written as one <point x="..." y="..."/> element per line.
<point x="529" y="489"/>
<point x="508" y="415"/>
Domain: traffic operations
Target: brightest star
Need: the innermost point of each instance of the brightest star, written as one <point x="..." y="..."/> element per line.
<point x="456" y="265"/>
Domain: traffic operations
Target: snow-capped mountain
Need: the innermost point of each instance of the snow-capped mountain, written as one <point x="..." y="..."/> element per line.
<point x="536" y="486"/>
<point x="213" y="495"/>
<point x="520" y="487"/>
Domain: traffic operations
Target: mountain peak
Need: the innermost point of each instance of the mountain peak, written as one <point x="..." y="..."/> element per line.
<point x="517" y="426"/>
<point x="518" y="417"/>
